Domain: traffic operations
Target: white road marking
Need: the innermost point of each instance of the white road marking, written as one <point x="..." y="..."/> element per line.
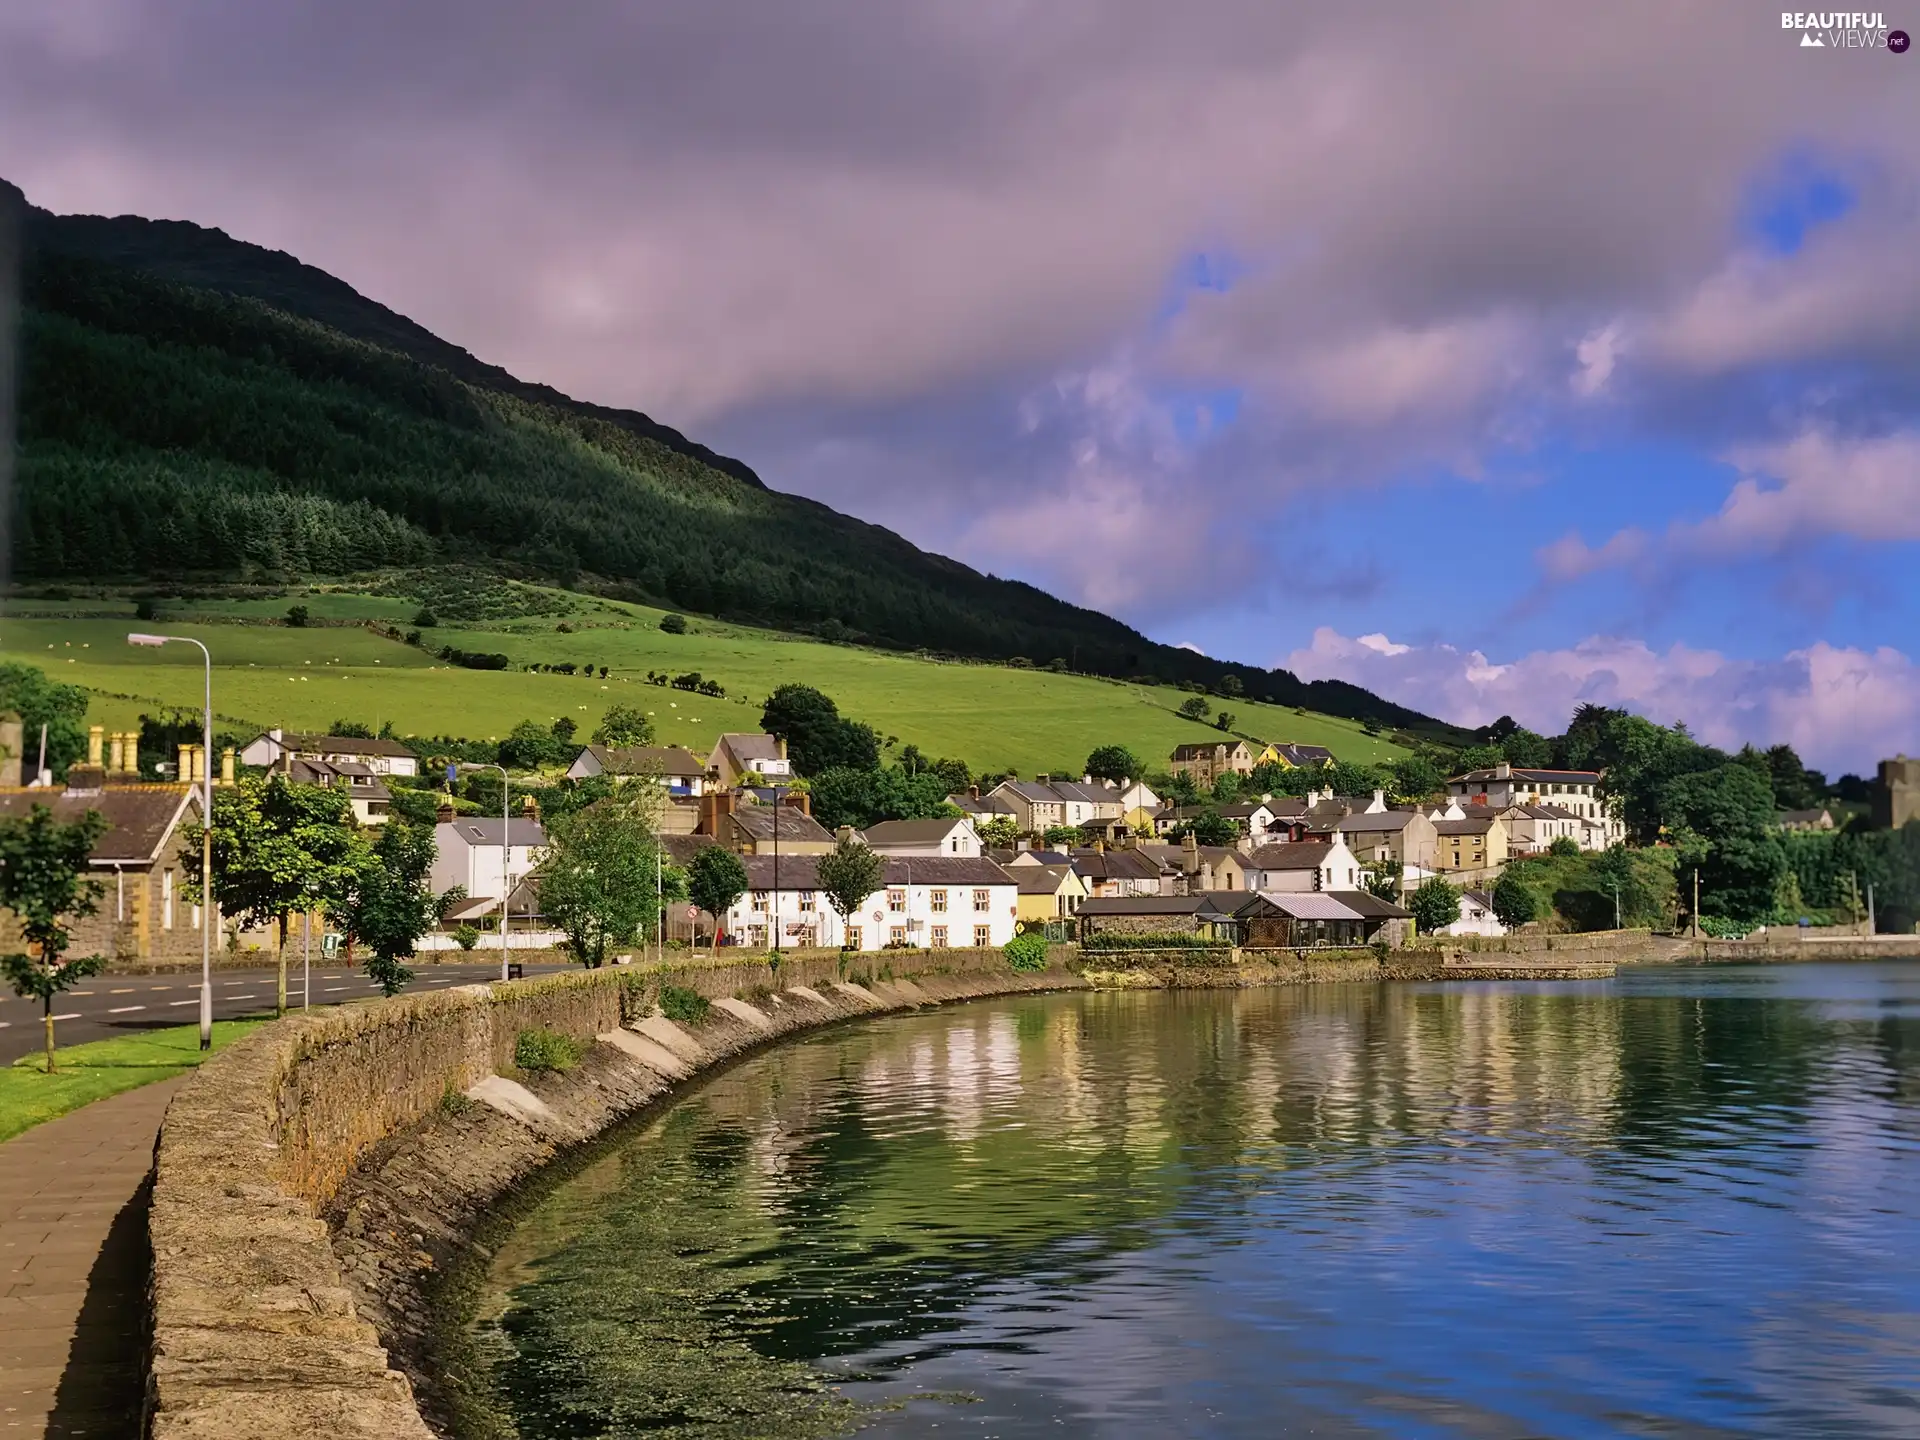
<point x="128" y="990"/>
<point x="183" y="1002"/>
<point x="70" y="1015"/>
<point x="125" y="1009"/>
<point x="330" y="989"/>
<point x="241" y="997"/>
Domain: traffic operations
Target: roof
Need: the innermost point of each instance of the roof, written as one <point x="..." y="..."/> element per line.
<point x="1165" y="855"/>
<point x="979" y="805"/>
<point x="1312" y="905"/>
<point x="1370" y="906"/>
<point x="1482" y="898"/>
<point x="485" y="830"/>
<point x="682" y="848"/>
<point x="1156" y="904"/>
<point x="749" y="745"/>
<point x="1300" y="855"/>
<point x="763" y="822"/>
<point x="802" y="872"/>
<point x="1577" y="777"/>
<point x="1472" y="825"/>
<point x="1195" y="750"/>
<point x="323" y="772"/>
<point x="1032" y="791"/>
<point x="1096" y="793"/>
<point x="1303" y="754"/>
<point x="1040" y="879"/>
<point x="914" y="832"/>
<point x="647" y="759"/>
<point x="1114" y="865"/>
<point x="1377" y="820"/>
<point x="343" y="745"/>
<point x="1806" y="817"/>
<point x="1028" y="857"/>
<point x="140" y="817"/>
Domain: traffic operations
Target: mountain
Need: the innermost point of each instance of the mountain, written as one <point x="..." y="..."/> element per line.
<point x="195" y="406"/>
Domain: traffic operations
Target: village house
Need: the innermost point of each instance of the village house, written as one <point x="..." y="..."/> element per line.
<point x="1503" y="785"/>
<point x="142" y="860"/>
<point x="1476" y="916"/>
<point x="939" y="903"/>
<point x="1305" y="865"/>
<point x="981" y="809"/>
<point x="1035" y="806"/>
<point x="1207" y="762"/>
<point x="1532" y="829"/>
<point x="481" y="856"/>
<point x="1478" y="842"/>
<point x="1818" y="818"/>
<point x="381" y="757"/>
<point x="753" y="828"/>
<point x="682" y="773"/>
<point x="953" y="837"/>
<point x="1301" y="920"/>
<point x="1047" y="893"/>
<point x="366" y="792"/>
<point x="1113" y="872"/>
<point x="1252" y="818"/>
<point x="1192" y="868"/>
<point x="1208" y="914"/>
<point x="737" y="755"/>
<point x="1293" y="757"/>
<point x="1405" y="837"/>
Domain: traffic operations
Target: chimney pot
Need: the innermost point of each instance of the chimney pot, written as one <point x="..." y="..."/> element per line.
<point x="444" y="815"/>
<point x="226" y="766"/>
<point x="199" y="764"/>
<point x="973" y="792"/>
<point x="783" y="747"/>
<point x="96" y="736"/>
<point x="117" y="752"/>
<point x="184" y="771"/>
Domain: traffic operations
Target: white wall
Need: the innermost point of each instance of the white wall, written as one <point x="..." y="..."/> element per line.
<point x="959" y="918"/>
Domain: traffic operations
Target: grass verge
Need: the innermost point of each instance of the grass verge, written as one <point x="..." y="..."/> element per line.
<point x="99" y="1068"/>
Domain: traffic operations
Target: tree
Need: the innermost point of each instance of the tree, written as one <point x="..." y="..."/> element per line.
<point x="673" y="624"/>
<point x="1383" y="878"/>
<point x="1231" y="687"/>
<point x="350" y="730"/>
<point x="715" y="881"/>
<point x="1060" y="835"/>
<point x="1224" y="720"/>
<point x="818" y="737"/>
<point x="623" y="725"/>
<point x="1113" y="762"/>
<point x="1563" y="846"/>
<point x="278" y="849"/>
<point x="1209" y="827"/>
<point x="844" y="796"/>
<point x="999" y="833"/>
<point x="1624" y="885"/>
<point x="1196" y="707"/>
<point x="1415" y="777"/>
<point x="1722" y="822"/>
<point x="597" y="882"/>
<point x="1435" y="905"/>
<point x="564" y="729"/>
<point x="297" y="616"/>
<point x="387" y="903"/>
<point x="530" y="745"/>
<point x="1228" y="787"/>
<point x="1527" y="750"/>
<point x="43" y="882"/>
<point x="1513" y="902"/>
<point x="38" y="701"/>
<point x="849" y="873"/>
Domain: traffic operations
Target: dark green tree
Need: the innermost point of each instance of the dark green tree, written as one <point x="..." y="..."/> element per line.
<point x="715" y="882"/>
<point x="1722" y="822"/>
<point x="673" y="624"/>
<point x="387" y="903"/>
<point x="1513" y="902"/>
<point x="1209" y="827"/>
<point x="597" y="882"/>
<point x="849" y="873"/>
<point x="818" y="737"/>
<point x="1196" y="707"/>
<point x="38" y="701"/>
<point x="1113" y="762"/>
<point x="623" y="725"/>
<point x="1415" y="777"/>
<point x="1435" y="905"/>
<point x="1383" y="878"/>
<point x="45" y="885"/>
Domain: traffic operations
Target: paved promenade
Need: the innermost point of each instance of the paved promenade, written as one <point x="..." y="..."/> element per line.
<point x="73" y="1269"/>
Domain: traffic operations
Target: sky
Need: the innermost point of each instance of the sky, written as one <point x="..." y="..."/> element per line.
<point x="1497" y="357"/>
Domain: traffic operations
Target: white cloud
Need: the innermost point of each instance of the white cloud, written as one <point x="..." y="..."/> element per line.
<point x="1841" y="708"/>
<point x="1597" y="354"/>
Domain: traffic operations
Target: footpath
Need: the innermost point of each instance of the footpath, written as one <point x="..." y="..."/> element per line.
<point x="73" y="1269"/>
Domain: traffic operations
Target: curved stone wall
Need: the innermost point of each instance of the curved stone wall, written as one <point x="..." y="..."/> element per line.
<point x="399" y="1123"/>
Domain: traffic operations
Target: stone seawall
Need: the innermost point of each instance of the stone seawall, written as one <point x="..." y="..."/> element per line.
<point x="1236" y="969"/>
<point x="268" y="1323"/>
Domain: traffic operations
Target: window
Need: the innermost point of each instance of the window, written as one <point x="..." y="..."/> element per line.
<point x="760" y="901"/>
<point x="939" y="941"/>
<point x="896" y="900"/>
<point x="166" y="900"/>
<point x="939" y="901"/>
<point x="897" y="935"/>
<point x="854" y="937"/>
<point x="806" y="902"/>
<point x="982" y="900"/>
<point x="982" y="936"/>
<point x="954" y="844"/>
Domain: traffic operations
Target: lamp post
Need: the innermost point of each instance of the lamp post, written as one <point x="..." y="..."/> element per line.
<point x="506" y="848"/>
<point x="206" y="835"/>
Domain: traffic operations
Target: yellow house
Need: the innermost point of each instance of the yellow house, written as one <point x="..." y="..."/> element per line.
<point x="1292" y="757"/>
<point x="1047" y="892"/>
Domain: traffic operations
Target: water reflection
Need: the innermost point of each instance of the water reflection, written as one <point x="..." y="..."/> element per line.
<point x="1679" y="1204"/>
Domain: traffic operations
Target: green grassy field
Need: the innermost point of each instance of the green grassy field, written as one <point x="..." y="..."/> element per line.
<point x="30" y="1096"/>
<point x="993" y="717"/>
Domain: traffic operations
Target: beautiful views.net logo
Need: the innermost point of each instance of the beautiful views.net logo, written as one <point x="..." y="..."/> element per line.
<point x="1844" y="30"/>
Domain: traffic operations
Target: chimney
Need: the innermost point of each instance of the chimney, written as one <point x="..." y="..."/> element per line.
<point x="184" y="773"/>
<point x="1043" y="779"/>
<point x="1379" y="801"/>
<point x="1190" y="853"/>
<point x="133" y="752"/>
<point x="13" y="739"/>
<point x="783" y="746"/>
<point x="1086" y="779"/>
<point x="85" y="779"/>
<point x="199" y="764"/>
<point x="1099" y="847"/>
<point x="843" y="834"/>
<point x="1206" y="875"/>
<point x="1503" y="771"/>
<point x="116" y="753"/>
<point x="801" y="801"/>
<point x="95" y="737"/>
<point x="226" y="766"/>
<point x="973" y="792"/>
<point x="444" y="815"/>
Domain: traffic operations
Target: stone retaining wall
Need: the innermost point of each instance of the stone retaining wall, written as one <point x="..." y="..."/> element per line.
<point x="259" y="1332"/>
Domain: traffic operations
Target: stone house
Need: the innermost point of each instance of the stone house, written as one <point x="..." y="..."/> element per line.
<point x="1818" y="818"/>
<point x="755" y="829"/>
<point x="1405" y="836"/>
<point x="1208" y="762"/>
<point x="681" y="772"/>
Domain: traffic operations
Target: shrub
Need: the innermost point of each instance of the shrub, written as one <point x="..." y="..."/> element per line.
<point x="1564" y="845"/>
<point x="425" y="618"/>
<point x="673" y="624"/>
<point x="297" y="616"/>
<point x="687" y="1007"/>
<point x="1028" y="952"/>
<point x="144" y="610"/>
<point x="538" y="1051"/>
<point x="466" y="937"/>
<point x="1719" y="927"/>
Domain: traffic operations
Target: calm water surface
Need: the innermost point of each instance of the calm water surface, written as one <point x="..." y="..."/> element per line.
<point x="1682" y="1204"/>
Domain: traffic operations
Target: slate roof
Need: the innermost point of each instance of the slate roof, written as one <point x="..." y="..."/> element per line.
<point x="1115" y="865"/>
<point x="1369" y="905"/>
<point x="759" y="822"/>
<point x="140" y="817"/>
<point x="1299" y="855"/>
<point x="750" y="745"/>
<point x="802" y="872"/>
<point x="1040" y="879"/>
<point x="485" y="830"/>
<point x="1472" y="825"/>
<point x="1206" y="903"/>
<point x="1312" y="905"/>
<point x="912" y="832"/>
<point x="1382" y="820"/>
<point x="682" y="848"/>
<point x="670" y="760"/>
<point x="1575" y="777"/>
<point x="342" y="745"/>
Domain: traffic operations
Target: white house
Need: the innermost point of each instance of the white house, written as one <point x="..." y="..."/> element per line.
<point x="1476" y="916"/>
<point x="1303" y="865"/>
<point x="366" y="793"/>
<point x="382" y="757"/>
<point x="1576" y="791"/>
<point x="682" y="772"/>
<point x="955" y="838"/>
<point x="739" y="754"/>
<point x="934" y="903"/>
<point x="470" y="853"/>
<point x="1533" y="828"/>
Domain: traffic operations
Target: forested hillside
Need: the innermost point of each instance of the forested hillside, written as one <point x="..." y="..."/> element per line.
<point x="267" y="421"/>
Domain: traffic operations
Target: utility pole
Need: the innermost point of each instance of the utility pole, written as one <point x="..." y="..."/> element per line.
<point x="1696" y="902"/>
<point x="1872" y="923"/>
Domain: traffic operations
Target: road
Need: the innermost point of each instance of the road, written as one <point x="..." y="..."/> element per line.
<point x="110" y="1005"/>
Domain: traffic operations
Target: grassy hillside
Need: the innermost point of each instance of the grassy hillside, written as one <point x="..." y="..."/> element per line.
<point x="993" y="717"/>
<point x="194" y="406"/>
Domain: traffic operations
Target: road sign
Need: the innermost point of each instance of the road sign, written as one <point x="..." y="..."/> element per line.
<point x="693" y="912"/>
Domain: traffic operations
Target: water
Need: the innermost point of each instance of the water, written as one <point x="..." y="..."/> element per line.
<point x="1681" y="1204"/>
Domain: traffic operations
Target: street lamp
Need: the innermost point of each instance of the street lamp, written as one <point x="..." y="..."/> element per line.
<point x="206" y="836"/>
<point x="506" y="849"/>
